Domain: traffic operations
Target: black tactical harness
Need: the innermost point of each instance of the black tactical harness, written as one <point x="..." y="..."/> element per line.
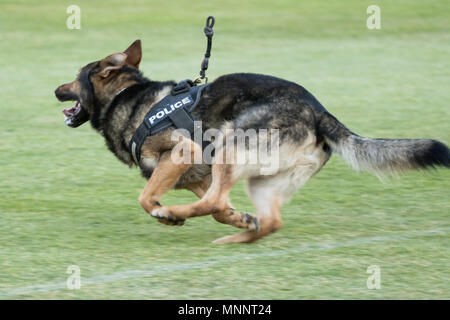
<point x="174" y="110"/>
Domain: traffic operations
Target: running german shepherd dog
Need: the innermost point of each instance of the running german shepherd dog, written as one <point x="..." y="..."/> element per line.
<point x="308" y="135"/>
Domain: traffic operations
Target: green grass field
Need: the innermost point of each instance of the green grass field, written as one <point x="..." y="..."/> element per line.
<point x="65" y="199"/>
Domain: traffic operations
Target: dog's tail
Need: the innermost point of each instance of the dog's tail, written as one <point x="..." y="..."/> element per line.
<point x="380" y="156"/>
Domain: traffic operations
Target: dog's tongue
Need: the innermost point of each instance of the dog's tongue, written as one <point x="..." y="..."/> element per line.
<point x="68" y="112"/>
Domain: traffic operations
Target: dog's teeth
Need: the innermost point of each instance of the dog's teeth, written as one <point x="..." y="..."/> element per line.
<point x="68" y="121"/>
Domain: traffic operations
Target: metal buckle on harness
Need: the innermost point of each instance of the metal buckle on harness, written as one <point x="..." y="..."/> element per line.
<point x="182" y="87"/>
<point x="199" y="80"/>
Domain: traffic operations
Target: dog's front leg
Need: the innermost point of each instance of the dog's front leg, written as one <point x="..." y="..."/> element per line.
<point x="163" y="179"/>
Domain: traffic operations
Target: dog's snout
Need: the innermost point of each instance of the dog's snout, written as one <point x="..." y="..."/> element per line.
<point x="64" y="93"/>
<point x="57" y="93"/>
<point x="60" y="93"/>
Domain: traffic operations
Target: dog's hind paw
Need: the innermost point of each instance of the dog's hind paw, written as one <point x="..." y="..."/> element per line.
<point x="164" y="216"/>
<point x="253" y="223"/>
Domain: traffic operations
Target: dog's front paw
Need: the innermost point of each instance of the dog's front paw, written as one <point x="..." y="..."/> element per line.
<point x="165" y="216"/>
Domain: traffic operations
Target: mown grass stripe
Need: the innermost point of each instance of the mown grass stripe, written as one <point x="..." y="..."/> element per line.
<point x="156" y="270"/>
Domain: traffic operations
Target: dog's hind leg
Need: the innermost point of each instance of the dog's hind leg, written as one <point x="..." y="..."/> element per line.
<point x="265" y="196"/>
<point x="237" y="219"/>
<point x="268" y="193"/>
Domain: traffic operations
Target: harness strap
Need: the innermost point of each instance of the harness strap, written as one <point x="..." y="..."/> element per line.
<point x="137" y="141"/>
<point x="182" y="119"/>
<point x="172" y="111"/>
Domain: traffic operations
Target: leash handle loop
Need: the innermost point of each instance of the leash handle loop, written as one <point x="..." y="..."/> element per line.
<point x="209" y="25"/>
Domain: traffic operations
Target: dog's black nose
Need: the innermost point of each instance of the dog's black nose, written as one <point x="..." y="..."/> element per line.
<point x="58" y="93"/>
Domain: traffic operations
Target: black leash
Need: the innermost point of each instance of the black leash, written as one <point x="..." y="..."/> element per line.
<point x="208" y="30"/>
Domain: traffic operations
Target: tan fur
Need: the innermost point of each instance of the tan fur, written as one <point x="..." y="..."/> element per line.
<point x="268" y="193"/>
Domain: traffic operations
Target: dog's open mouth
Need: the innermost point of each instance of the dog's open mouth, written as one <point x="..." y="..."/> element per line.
<point x="75" y="116"/>
<point x="69" y="113"/>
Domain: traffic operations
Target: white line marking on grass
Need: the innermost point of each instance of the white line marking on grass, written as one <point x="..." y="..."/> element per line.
<point x="156" y="270"/>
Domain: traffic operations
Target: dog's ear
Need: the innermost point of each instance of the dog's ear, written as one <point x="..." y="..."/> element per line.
<point x="134" y="53"/>
<point x="111" y="63"/>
